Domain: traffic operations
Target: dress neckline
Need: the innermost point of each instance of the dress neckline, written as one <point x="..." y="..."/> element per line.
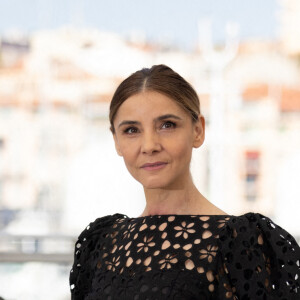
<point x="176" y="216"/>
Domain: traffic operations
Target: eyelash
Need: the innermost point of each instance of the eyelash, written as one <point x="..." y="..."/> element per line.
<point x="169" y="122"/>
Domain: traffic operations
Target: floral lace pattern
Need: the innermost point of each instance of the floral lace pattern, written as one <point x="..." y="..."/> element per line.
<point x="185" y="257"/>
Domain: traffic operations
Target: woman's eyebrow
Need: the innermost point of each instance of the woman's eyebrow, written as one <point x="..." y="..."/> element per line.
<point x="163" y="117"/>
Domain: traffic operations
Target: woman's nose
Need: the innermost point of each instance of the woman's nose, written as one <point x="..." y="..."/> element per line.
<point x="150" y="142"/>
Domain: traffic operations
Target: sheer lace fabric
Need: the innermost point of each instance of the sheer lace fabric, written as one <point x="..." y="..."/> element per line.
<point x="185" y="257"/>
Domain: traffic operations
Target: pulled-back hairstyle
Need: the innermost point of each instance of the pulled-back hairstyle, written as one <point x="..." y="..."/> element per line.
<point x="161" y="79"/>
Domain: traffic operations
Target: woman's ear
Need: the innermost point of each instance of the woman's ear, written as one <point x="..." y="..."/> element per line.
<point x="117" y="146"/>
<point x="199" y="131"/>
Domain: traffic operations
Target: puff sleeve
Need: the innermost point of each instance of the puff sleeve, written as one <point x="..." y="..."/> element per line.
<point x="82" y="272"/>
<point x="260" y="260"/>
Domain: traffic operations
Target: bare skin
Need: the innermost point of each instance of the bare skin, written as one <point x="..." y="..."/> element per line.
<point x="169" y="190"/>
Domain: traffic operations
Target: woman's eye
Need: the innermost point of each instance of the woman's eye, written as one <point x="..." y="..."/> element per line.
<point x="128" y="130"/>
<point x="168" y="123"/>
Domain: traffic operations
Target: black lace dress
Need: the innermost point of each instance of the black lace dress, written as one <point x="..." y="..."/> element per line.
<point x="185" y="257"/>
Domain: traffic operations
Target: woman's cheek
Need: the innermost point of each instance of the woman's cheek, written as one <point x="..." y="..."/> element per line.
<point x="125" y="144"/>
<point x="129" y="153"/>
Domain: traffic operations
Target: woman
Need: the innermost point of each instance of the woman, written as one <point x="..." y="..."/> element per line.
<point x="181" y="246"/>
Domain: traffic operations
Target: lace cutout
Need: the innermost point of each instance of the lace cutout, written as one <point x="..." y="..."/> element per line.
<point x="185" y="257"/>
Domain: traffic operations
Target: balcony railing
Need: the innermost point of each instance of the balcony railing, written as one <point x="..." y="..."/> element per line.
<point x="41" y="248"/>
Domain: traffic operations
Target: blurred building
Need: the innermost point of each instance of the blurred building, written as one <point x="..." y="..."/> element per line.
<point x="55" y="91"/>
<point x="290" y="26"/>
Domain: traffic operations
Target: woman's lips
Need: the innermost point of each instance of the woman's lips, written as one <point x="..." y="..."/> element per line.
<point x="155" y="166"/>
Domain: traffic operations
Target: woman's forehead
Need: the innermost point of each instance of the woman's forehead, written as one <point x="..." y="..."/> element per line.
<point x="149" y="103"/>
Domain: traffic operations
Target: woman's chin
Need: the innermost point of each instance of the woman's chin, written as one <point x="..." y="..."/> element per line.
<point x="153" y="185"/>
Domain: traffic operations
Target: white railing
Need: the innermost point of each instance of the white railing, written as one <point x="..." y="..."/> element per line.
<point x="42" y="248"/>
<point x="47" y="248"/>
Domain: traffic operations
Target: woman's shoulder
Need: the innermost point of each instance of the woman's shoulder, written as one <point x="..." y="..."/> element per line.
<point x="254" y="230"/>
<point x="256" y="249"/>
<point x="84" y="246"/>
<point x="259" y="223"/>
<point x="94" y="227"/>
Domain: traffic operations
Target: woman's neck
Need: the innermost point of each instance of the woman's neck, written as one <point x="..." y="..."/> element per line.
<point x="186" y="200"/>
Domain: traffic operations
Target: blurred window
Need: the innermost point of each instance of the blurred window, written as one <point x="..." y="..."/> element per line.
<point x="252" y="175"/>
<point x="2" y="143"/>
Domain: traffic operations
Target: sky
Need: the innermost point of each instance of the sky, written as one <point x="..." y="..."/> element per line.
<point x="173" y="20"/>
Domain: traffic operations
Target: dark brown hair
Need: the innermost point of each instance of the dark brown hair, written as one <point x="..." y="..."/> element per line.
<point x="161" y="79"/>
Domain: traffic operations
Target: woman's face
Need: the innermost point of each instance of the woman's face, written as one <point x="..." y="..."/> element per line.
<point x="150" y="127"/>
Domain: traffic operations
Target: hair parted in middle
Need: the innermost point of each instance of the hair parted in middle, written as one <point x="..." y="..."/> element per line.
<point x="161" y="79"/>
